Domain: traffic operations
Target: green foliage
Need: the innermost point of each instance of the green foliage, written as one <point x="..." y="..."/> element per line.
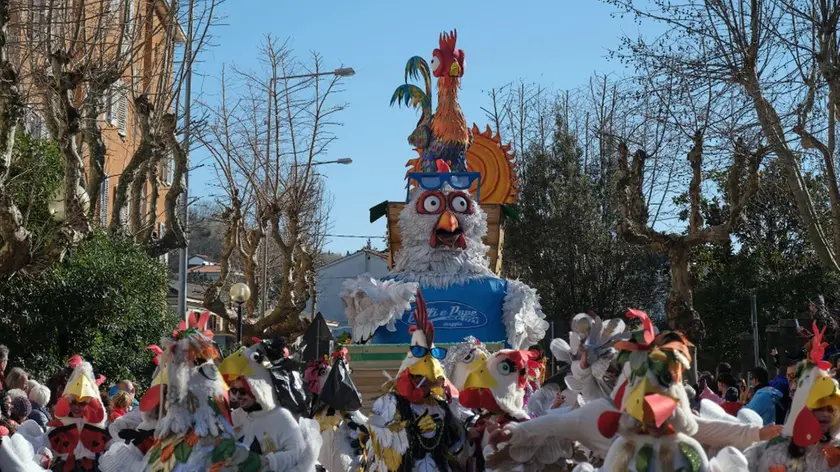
<point x="772" y="258"/>
<point x="36" y="172"/>
<point x="565" y="244"/>
<point x="105" y="301"/>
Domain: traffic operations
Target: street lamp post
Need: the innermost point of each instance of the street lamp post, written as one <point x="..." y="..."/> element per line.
<point x="340" y="72"/>
<point x="239" y="293"/>
<point x="343" y="160"/>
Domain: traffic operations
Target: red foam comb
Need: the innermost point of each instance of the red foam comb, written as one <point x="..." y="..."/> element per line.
<point x="342" y="353"/>
<point x="447" y="40"/>
<point x="75" y="361"/>
<point x="421" y="318"/>
<point x="100" y="379"/>
<point x="256" y="340"/>
<point x="818" y="348"/>
<point x="442" y="166"/>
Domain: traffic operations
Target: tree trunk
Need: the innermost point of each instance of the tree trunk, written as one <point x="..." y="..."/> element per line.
<point x="679" y="308"/>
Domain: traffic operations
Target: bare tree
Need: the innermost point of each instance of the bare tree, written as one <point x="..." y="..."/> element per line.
<point x="780" y="58"/>
<point x="266" y="140"/>
<point x="90" y="71"/>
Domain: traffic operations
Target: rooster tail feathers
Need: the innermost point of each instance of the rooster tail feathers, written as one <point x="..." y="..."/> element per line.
<point x="417" y="67"/>
<point x="411" y="96"/>
<point x="421" y="317"/>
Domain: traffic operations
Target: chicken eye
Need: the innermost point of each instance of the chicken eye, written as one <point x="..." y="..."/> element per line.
<point x="435" y="63"/>
<point x="256" y="356"/>
<point x="505" y="368"/>
<point x="460" y="204"/>
<point x="431" y="203"/>
<point x="469" y="357"/>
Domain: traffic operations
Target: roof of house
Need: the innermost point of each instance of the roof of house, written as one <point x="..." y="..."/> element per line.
<point x="205" y="269"/>
<point x="383" y="256"/>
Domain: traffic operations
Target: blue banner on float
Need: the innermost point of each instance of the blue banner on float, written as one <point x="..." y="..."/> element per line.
<point x="470" y="309"/>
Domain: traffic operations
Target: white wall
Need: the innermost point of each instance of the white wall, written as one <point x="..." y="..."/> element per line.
<point x="332" y="276"/>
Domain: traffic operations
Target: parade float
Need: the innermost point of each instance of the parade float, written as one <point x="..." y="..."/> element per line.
<point x="445" y="237"/>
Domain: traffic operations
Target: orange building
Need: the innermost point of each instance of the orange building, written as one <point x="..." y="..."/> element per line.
<point x="148" y="51"/>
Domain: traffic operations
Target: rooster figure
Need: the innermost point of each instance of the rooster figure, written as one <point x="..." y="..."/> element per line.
<point x="811" y="436"/>
<point x="412" y="428"/>
<point x="498" y="389"/>
<point x="443" y="135"/>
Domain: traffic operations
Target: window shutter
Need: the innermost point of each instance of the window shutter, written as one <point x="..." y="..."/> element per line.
<point x="122" y="109"/>
<point x="104" y="198"/>
<point x="110" y="106"/>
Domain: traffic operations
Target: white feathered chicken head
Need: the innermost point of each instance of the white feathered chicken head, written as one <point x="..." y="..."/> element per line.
<point x="441" y="231"/>
<point x="464" y="358"/>
<point x="499" y="386"/>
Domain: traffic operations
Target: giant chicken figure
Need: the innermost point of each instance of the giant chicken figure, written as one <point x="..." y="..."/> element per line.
<point x="441" y="228"/>
<point x="443" y="135"/>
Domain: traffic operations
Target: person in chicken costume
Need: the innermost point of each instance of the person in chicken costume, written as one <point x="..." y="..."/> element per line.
<point x="441" y="228"/>
<point x="77" y="434"/>
<point x="655" y="425"/>
<point x="412" y="427"/>
<point x="498" y="390"/>
<point x="811" y="435"/>
<point x="315" y="376"/>
<point x="194" y="431"/>
<point x="133" y="433"/>
<point x="18" y="455"/>
<point x="259" y="376"/>
<point x="343" y="426"/>
<point x="590" y="354"/>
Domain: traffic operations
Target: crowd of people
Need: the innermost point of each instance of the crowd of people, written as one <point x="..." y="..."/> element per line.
<point x="621" y="403"/>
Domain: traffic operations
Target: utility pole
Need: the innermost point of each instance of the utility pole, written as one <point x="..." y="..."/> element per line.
<point x="183" y="255"/>
<point x="754" y="319"/>
<point x="264" y="292"/>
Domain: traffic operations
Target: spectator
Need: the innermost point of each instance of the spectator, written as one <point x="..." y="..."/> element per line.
<point x="742" y="389"/>
<point x="767" y="400"/>
<point x="725" y="382"/>
<point x="106" y="403"/>
<point x="21" y="408"/>
<point x="120" y="405"/>
<point x="4" y="362"/>
<point x="724" y="368"/>
<point x="128" y="387"/>
<point x="17" y="379"/>
<point x="704" y="387"/>
<point x="39" y="397"/>
<point x="731" y="402"/>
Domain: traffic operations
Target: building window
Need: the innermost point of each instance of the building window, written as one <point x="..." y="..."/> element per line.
<point x="116" y="106"/>
<point x="166" y="169"/>
<point x="104" y="198"/>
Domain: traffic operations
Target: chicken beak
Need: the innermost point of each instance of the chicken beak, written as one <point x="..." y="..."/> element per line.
<point x="480" y="378"/>
<point x="236" y="365"/>
<point x="823" y="393"/>
<point x="455" y="69"/>
<point x="81" y="388"/>
<point x="447" y="222"/>
<point x="647" y="403"/>
<point x="428" y="367"/>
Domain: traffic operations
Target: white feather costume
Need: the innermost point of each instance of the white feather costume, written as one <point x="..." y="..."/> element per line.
<point x="412" y="427"/>
<point x="427" y="259"/>
<point x="498" y="389"/>
<point x="596" y="338"/>
<point x="803" y="445"/>
<point x="655" y="425"/>
<point x="194" y="434"/>
<point x="271" y="431"/>
<point x="17" y="455"/>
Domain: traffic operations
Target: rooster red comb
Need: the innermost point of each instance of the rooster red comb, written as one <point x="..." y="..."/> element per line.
<point x="818" y="348"/>
<point x="157" y="351"/>
<point x="421" y="320"/>
<point x="447" y="40"/>
<point x="75" y="361"/>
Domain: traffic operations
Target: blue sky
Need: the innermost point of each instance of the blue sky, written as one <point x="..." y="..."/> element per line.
<point x="559" y="44"/>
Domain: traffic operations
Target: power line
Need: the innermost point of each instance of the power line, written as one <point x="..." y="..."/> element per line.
<point x="354" y="236"/>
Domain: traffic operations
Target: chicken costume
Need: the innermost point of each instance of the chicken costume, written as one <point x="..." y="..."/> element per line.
<point x="133" y="433"/>
<point x="498" y="390"/>
<point x="809" y="440"/>
<point x="441" y="229"/>
<point x="271" y="431"/>
<point x="77" y="441"/>
<point x="18" y="455"/>
<point x="655" y="425"/>
<point x="412" y="428"/>
<point x="590" y="377"/>
<point x="194" y="432"/>
<point x="343" y="427"/>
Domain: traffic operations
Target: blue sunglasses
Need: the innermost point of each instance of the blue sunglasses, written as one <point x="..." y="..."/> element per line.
<point x="456" y="180"/>
<point x="438" y="353"/>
